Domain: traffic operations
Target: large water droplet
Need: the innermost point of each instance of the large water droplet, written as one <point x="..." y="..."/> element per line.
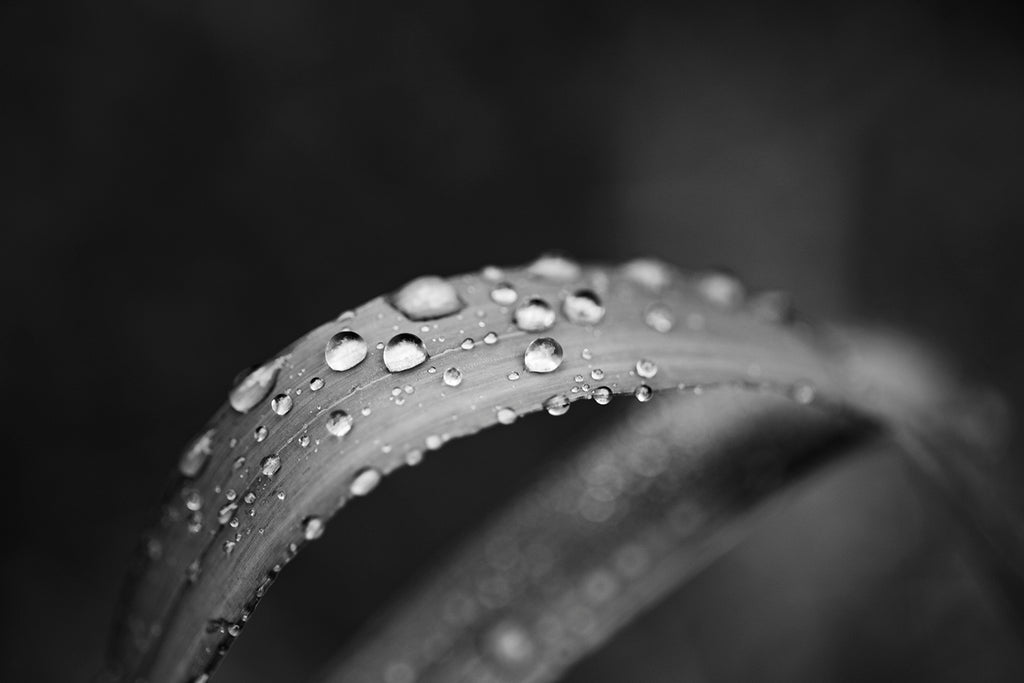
<point x="404" y="352"/>
<point x="344" y="351"/>
<point x="270" y="465"/>
<point x="281" y="404"/>
<point x="648" y="273"/>
<point x="543" y="355"/>
<point x="313" y="528"/>
<point x="646" y="368"/>
<point x="426" y="298"/>
<point x="722" y="289"/>
<point x="583" y="308"/>
<point x="534" y="315"/>
<point x="602" y="396"/>
<point x="255" y="386"/>
<point x="339" y="423"/>
<point x="364" y="481"/>
<point x="557" y="405"/>
<point x="555" y="267"/>
<point x="196" y="455"/>
<point x="452" y="377"/>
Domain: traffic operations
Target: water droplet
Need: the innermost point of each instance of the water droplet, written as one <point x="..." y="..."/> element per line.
<point x="280" y="495"/>
<point x="513" y="376"/>
<point x="434" y="441"/>
<point x="414" y="457"/>
<point x="602" y="396"/>
<point x="260" y="434"/>
<point x="493" y="273"/>
<point x="772" y="307"/>
<point x="583" y="308"/>
<point x="281" y="404"/>
<point x="313" y="528"/>
<point x="543" y="355"/>
<point x="196" y="455"/>
<point x="339" y="423"/>
<point x="304" y="440"/>
<point x="426" y="298"/>
<point x="506" y="416"/>
<point x="586" y="354"/>
<point x="803" y="393"/>
<point x="270" y="465"/>
<point x="597" y="373"/>
<point x="534" y="315"/>
<point x="643" y="393"/>
<point x="229" y="546"/>
<point x="646" y="368"/>
<point x="452" y="377"/>
<point x="722" y="289"/>
<point x="659" y="318"/>
<point x="504" y="294"/>
<point x="193" y="501"/>
<point x="648" y="273"/>
<point x="557" y="405"/>
<point x="249" y="498"/>
<point x="344" y="351"/>
<point x="555" y="267"/>
<point x="490" y="338"/>
<point x="364" y="481"/>
<point x="404" y="352"/>
<point x="510" y="644"/>
<point x="467" y="344"/>
<point x="255" y="386"/>
<point x="226" y="513"/>
<point x="316" y="384"/>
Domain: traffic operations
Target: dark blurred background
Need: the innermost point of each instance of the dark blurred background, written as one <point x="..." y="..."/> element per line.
<point x="189" y="186"/>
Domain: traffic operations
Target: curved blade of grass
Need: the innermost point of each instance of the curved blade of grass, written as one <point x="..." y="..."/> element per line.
<point x="645" y="505"/>
<point x="225" y="533"/>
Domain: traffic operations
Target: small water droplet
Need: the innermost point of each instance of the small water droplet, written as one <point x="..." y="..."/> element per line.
<point x="434" y="441"/>
<point x="510" y="644"/>
<point x="490" y="338"/>
<point x="427" y="298"/>
<point x="280" y="495"/>
<point x="506" y="416"/>
<point x="225" y="514"/>
<point x="586" y="354"/>
<point x="193" y="500"/>
<point x="316" y="384"/>
<point x="555" y="267"/>
<point x="249" y="498"/>
<point x="583" y="308"/>
<point x="255" y="386"/>
<point x="467" y="344"/>
<point x="493" y="273"/>
<point x="659" y="318"/>
<point x="229" y="546"/>
<point x="364" y="481"/>
<point x="339" y="423"/>
<point x="281" y="404"/>
<point x="513" y="376"/>
<point x="722" y="289"/>
<point x="344" y="351"/>
<point x="414" y="457"/>
<point x="260" y="434"/>
<point x="543" y="355"/>
<point x="602" y="396"/>
<point x="646" y="368"/>
<point x="557" y="405"/>
<point x="198" y="452"/>
<point x="403" y="352"/>
<point x="773" y="307"/>
<point x="270" y="465"/>
<point x="648" y="273"/>
<point x="230" y="494"/>
<point x="504" y="294"/>
<point x="304" y="440"/>
<point x="597" y="373"/>
<point x="452" y="377"/>
<point x="534" y="315"/>
<point x="643" y="393"/>
<point x="803" y="393"/>
<point x="313" y="528"/>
